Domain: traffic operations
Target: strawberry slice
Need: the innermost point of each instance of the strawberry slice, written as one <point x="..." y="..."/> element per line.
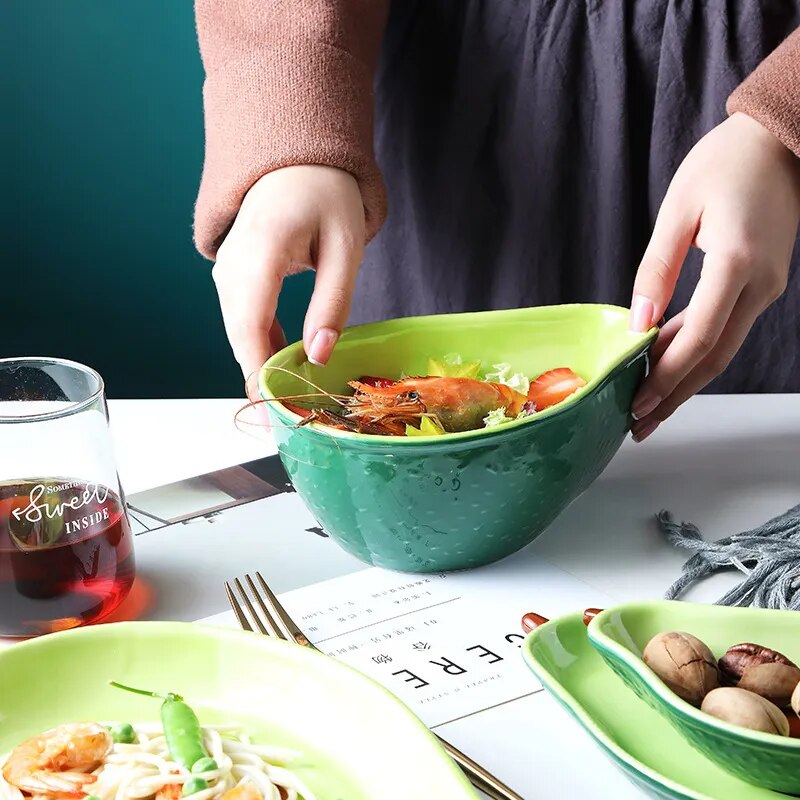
<point x="554" y="386"/>
<point x="379" y="383"/>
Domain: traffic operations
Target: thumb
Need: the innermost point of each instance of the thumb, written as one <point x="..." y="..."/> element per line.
<point x="673" y="234"/>
<point x="337" y="265"/>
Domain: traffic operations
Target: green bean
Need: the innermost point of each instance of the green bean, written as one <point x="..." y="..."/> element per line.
<point x="183" y="733"/>
<point x="194" y="785"/>
<point x="205" y="765"/>
<point x="181" y="727"/>
<point x="123" y="733"/>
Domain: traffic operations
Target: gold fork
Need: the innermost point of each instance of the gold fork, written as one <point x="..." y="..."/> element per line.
<point x="272" y="619"/>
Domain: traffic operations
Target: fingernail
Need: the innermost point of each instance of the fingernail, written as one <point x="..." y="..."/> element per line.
<point x="644" y="403"/>
<point x="322" y="346"/>
<point x="642" y="312"/>
<point x="640" y="434"/>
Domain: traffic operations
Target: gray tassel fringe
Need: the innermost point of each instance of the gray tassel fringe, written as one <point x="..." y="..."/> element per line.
<point x="768" y="556"/>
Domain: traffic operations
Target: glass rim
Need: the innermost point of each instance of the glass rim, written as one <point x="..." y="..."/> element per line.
<point x="73" y="407"/>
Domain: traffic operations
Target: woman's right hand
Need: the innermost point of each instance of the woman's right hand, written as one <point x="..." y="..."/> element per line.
<point x="291" y="219"/>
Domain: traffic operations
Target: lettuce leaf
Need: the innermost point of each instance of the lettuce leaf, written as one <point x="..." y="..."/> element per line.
<point x="499" y="416"/>
<point x="496" y="417"/>
<point x="501" y="373"/>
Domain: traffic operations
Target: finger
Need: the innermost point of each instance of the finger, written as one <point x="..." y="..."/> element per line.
<point x="277" y="341"/>
<point x="277" y="338"/>
<point x="641" y="430"/>
<point x="337" y="265"/>
<point x="720" y="285"/>
<point x="741" y="321"/>
<point x="673" y="233"/>
<point x="666" y="336"/>
<point x="249" y="299"/>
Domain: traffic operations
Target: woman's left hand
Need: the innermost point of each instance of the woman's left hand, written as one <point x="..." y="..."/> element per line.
<point x="736" y="197"/>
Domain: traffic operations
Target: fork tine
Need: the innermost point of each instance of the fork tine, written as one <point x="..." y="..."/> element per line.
<point x="245" y="597"/>
<point x="244" y="624"/>
<point x="274" y="627"/>
<point x="287" y="625"/>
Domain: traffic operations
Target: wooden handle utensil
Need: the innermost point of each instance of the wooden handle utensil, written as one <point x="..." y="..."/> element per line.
<point x="532" y="620"/>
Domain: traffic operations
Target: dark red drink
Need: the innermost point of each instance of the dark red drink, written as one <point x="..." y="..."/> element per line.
<point x="66" y="555"/>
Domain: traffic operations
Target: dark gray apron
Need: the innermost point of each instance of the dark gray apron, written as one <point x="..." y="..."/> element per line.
<point x="527" y="145"/>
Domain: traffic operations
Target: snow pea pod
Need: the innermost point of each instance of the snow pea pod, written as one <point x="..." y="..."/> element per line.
<point x="181" y="727"/>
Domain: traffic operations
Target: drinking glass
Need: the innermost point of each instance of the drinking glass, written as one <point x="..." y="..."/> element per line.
<point x="66" y="547"/>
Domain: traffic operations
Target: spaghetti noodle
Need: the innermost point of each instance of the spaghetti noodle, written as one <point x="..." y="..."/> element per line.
<point x="145" y="769"/>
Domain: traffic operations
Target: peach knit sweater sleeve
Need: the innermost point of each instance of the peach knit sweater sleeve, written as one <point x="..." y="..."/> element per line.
<point x="290" y="82"/>
<point x="771" y="94"/>
<point x="287" y="82"/>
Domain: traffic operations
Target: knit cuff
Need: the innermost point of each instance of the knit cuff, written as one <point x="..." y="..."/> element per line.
<point x="258" y="121"/>
<point x="771" y="95"/>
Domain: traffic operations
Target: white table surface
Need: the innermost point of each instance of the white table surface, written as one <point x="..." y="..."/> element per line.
<point x="725" y="463"/>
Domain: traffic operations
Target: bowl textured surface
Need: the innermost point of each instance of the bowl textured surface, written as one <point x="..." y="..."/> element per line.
<point x="426" y="504"/>
<point x="356" y="739"/>
<point x="639" y="739"/>
<point x="620" y="634"/>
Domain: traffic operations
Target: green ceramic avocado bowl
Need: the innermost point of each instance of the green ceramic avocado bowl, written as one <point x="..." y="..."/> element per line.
<point x="638" y="739"/>
<point x="355" y="739"/>
<point x="462" y="500"/>
<point x="620" y="634"/>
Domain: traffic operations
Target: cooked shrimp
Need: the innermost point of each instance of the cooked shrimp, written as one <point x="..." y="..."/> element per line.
<point x="457" y="404"/>
<point x="385" y="407"/>
<point x="58" y="761"/>
<point x="243" y="791"/>
<point x="169" y="791"/>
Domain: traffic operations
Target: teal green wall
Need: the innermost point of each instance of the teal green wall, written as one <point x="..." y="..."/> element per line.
<point x="102" y="143"/>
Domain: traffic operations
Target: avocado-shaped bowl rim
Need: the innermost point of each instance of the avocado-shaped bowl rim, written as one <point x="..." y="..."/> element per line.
<point x="640" y="343"/>
<point x="686" y="711"/>
<point x="552" y="682"/>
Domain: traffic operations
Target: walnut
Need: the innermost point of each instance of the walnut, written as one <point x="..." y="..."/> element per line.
<point x="741" y="656"/>
<point x="740" y="707"/>
<point x="684" y="663"/>
<point x="773" y="679"/>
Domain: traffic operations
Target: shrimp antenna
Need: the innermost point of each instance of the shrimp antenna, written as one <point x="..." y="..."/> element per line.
<point x="337" y="397"/>
<point x="309" y="382"/>
<point x="253" y="404"/>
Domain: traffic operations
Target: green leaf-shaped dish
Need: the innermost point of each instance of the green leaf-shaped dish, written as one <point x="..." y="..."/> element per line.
<point x="619" y="634"/>
<point x="638" y="738"/>
<point x="430" y="503"/>
<point x="356" y="739"/>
